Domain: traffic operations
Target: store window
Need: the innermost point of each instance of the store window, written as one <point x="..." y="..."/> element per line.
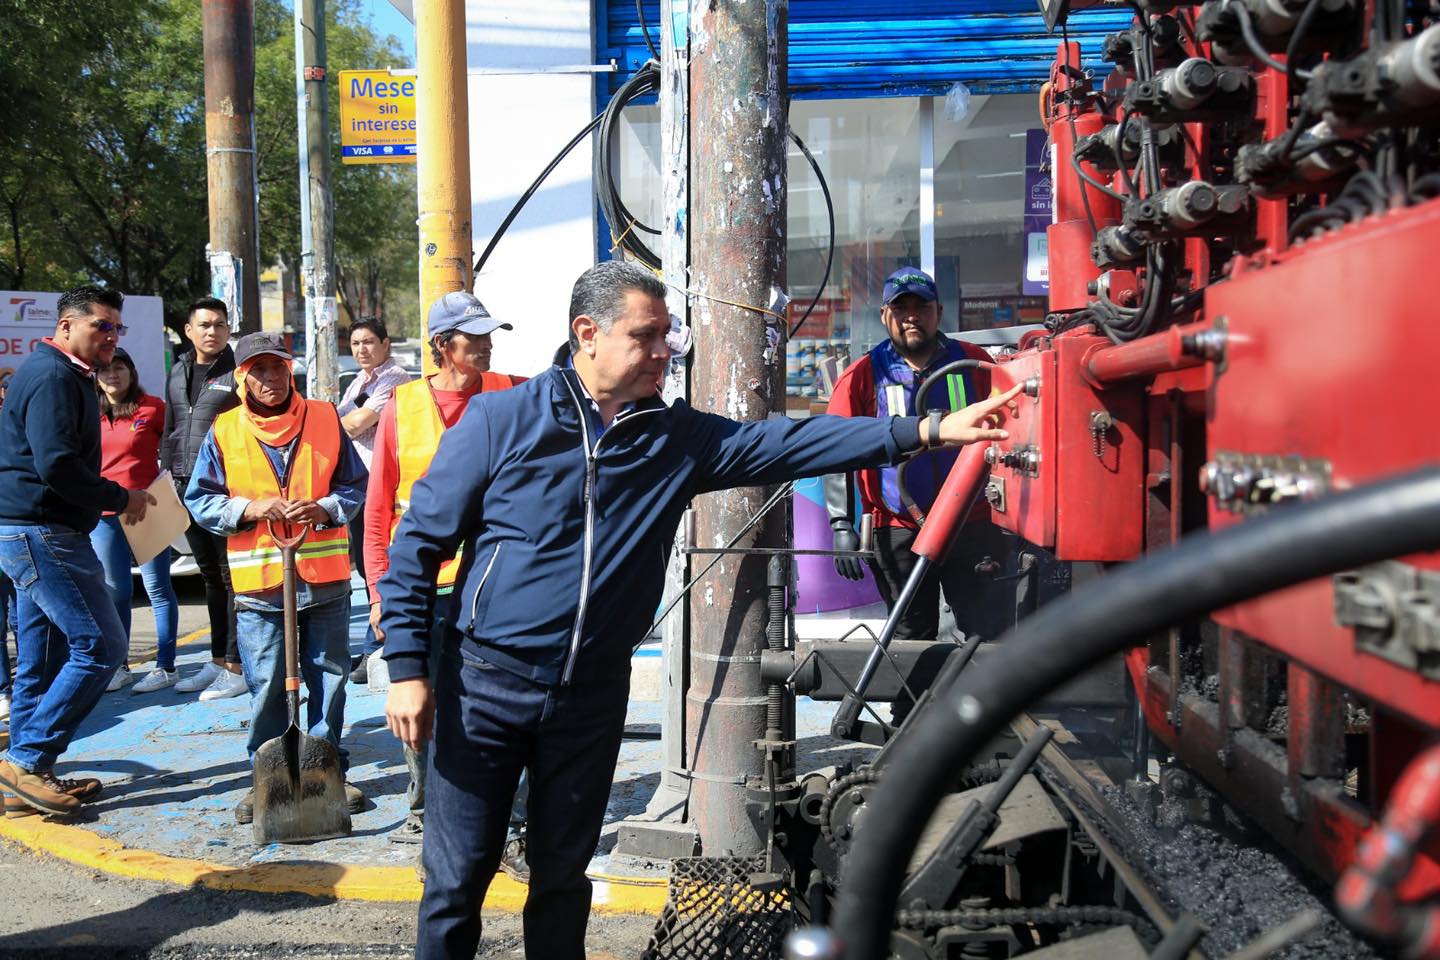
<point x="870" y="152"/>
<point x="984" y="248"/>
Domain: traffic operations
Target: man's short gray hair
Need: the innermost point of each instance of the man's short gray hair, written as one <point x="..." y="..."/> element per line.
<point x="600" y="293"/>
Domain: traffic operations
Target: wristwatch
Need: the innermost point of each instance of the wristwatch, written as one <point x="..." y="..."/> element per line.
<point x="934" y="418"/>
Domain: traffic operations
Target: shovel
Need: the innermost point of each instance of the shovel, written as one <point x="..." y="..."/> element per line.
<point x="299" y="789"/>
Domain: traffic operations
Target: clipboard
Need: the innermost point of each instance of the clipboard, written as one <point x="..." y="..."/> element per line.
<point x="165" y="520"/>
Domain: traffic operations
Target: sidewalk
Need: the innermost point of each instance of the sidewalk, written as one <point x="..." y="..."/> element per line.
<point x="174" y="768"/>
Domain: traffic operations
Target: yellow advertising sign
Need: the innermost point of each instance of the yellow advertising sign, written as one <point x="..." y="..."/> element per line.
<point x="377" y="117"/>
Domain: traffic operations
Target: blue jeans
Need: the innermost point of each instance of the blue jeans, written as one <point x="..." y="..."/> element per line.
<point x="324" y="641"/>
<point x="490" y="725"/>
<point x="7" y="629"/>
<point x="418" y="763"/>
<point x="115" y="556"/>
<point x="70" y="639"/>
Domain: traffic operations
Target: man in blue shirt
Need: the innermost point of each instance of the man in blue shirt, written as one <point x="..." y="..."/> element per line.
<point x="566" y="491"/>
<point x="69" y="639"/>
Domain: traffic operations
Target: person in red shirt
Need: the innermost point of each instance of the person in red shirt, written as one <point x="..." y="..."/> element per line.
<point x="131" y="422"/>
<point x="410" y="428"/>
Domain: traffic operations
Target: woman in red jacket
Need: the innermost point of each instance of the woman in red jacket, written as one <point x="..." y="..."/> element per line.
<point x="131" y="422"/>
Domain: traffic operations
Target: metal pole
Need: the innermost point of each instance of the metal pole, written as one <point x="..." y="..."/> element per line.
<point x="442" y="110"/>
<point x="671" y="796"/>
<point x="229" y="51"/>
<point x="317" y="216"/>
<point x="739" y="126"/>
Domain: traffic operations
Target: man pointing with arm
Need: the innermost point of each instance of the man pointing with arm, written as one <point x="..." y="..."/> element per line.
<point x="565" y="492"/>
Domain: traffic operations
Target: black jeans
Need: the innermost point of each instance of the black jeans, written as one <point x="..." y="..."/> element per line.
<point x="489" y="725"/>
<point x="208" y="549"/>
<point x="971" y="594"/>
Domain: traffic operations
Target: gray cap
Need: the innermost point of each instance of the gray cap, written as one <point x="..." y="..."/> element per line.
<point x="462" y="311"/>
<point x="255" y="344"/>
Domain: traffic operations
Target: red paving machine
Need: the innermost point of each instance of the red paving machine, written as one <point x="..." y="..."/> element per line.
<point x="1230" y="420"/>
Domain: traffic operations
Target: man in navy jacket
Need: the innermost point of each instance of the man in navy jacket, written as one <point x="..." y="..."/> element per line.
<point x="69" y="638"/>
<point x="565" y="492"/>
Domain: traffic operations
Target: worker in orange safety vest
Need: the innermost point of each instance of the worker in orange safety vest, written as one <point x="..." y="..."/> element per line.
<point x="281" y="459"/>
<point x="410" y="429"/>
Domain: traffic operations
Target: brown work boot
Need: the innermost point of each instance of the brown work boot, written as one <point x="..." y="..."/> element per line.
<point x="83" y="789"/>
<point x="38" y="790"/>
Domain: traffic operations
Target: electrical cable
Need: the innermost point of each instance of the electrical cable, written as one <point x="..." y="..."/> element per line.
<point x="1247" y="31"/>
<point x="530" y="191"/>
<point x="830" y="250"/>
<point x="645" y="30"/>
<point x="1203" y="573"/>
<point x="646" y="80"/>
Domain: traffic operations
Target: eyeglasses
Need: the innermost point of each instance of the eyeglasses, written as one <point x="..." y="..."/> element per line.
<point x="105" y="326"/>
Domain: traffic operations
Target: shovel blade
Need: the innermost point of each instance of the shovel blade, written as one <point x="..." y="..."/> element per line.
<point x="299" y="790"/>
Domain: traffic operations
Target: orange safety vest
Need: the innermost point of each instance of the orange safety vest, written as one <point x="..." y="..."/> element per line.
<point x="255" y="561"/>
<point x="418" y="429"/>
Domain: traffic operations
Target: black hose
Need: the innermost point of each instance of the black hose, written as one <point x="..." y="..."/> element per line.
<point x="1203" y="573"/>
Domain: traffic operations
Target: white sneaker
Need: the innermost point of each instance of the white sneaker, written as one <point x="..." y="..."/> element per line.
<point x="227" y="684"/>
<point x="157" y="679"/>
<point x="4" y="706"/>
<point x="122" y="679"/>
<point x="200" y="679"/>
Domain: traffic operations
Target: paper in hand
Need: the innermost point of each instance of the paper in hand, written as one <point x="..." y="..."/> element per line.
<point x="165" y="520"/>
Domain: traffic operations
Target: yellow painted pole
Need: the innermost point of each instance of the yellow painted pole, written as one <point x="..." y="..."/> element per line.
<point x="442" y="114"/>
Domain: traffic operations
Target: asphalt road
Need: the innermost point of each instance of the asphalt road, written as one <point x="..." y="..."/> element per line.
<point x="51" y="909"/>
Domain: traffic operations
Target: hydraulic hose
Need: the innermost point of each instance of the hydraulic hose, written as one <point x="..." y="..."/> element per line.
<point x="921" y="395"/>
<point x="1205" y="572"/>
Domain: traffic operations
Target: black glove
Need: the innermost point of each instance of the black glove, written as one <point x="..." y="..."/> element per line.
<point x="846" y="539"/>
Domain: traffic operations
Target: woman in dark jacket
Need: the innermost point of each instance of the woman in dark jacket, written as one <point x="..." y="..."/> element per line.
<point x="131" y="422"/>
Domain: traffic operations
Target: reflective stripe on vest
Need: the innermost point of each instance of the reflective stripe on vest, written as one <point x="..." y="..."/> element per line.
<point x="255" y="562"/>
<point x="418" y="429"/>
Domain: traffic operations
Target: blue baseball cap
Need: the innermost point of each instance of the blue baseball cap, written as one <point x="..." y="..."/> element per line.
<point x="909" y="280"/>
<point x="462" y="311"/>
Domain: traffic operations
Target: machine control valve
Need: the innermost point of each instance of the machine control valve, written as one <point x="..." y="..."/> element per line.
<point x="1398" y="85"/>
<point x="1193" y="207"/>
<point x="1195" y="90"/>
<point x="1394" y="609"/>
<point x="1117" y="246"/>
<point x="1273" y="22"/>
<point x="1112" y="146"/>
<point x="1119" y="48"/>
<point x="1317" y="156"/>
<point x="1024" y="460"/>
<point x="1249" y="483"/>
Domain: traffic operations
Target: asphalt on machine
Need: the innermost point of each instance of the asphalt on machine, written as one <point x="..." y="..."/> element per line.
<point x="1206" y="725"/>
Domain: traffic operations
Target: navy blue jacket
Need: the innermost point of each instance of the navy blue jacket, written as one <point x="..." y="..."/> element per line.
<point x="566" y="534"/>
<point x="50" y="446"/>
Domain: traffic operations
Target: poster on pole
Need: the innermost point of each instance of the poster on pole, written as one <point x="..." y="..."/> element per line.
<point x="377" y="117"/>
<point x="28" y="316"/>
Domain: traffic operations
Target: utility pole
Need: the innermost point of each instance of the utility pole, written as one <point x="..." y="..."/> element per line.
<point x="442" y="114"/>
<point x="317" y="214"/>
<point x="739" y="126"/>
<point x="234" y="252"/>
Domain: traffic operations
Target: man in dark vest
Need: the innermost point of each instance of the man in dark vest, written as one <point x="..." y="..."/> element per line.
<point x="200" y="388"/>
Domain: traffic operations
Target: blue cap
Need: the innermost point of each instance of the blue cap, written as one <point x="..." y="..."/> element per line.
<point x="909" y="280"/>
<point x="462" y="311"/>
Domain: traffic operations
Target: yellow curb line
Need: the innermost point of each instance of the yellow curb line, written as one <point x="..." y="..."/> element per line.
<point x="330" y="880"/>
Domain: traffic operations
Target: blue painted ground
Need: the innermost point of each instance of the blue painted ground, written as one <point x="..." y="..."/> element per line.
<point x="174" y="769"/>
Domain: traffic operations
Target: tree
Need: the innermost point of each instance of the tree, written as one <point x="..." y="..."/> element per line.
<point x="102" y="150"/>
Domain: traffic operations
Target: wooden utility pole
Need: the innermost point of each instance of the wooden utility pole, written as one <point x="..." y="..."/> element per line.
<point x="317" y="214"/>
<point x="442" y="113"/>
<point x="229" y="50"/>
<point x="737" y="208"/>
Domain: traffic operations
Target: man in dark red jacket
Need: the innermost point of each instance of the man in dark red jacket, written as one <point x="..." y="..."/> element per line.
<point x="883" y="383"/>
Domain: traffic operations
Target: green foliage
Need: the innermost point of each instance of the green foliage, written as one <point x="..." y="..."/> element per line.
<point x="102" y="152"/>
